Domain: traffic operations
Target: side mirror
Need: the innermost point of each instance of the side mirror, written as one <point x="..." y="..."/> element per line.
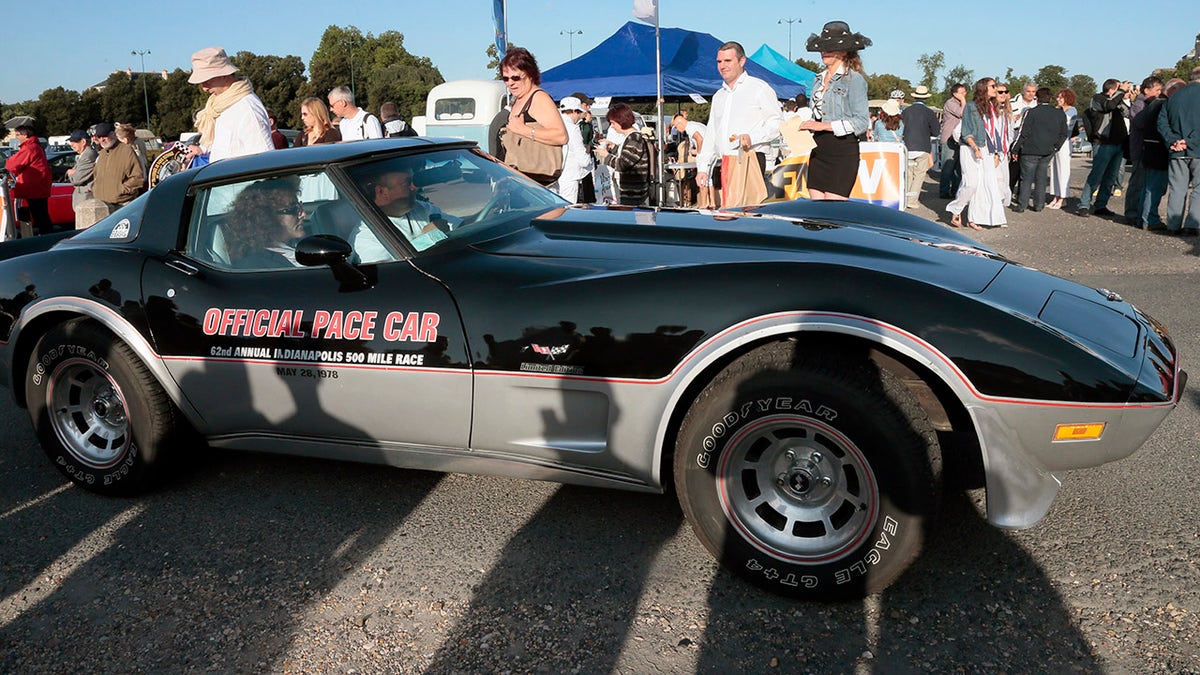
<point x="332" y="250"/>
<point x="322" y="249"/>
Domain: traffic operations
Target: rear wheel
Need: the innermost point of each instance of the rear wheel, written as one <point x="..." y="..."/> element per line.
<point x="100" y="416"/>
<point x="814" y="475"/>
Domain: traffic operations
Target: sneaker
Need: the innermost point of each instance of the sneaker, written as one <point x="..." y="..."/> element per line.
<point x="1190" y="232"/>
<point x="1083" y="212"/>
<point x="1156" y="227"/>
<point x="1104" y="211"/>
<point x="1018" y="209"/>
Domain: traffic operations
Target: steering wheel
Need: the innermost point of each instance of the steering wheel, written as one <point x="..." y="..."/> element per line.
<point x="498" y="203"/>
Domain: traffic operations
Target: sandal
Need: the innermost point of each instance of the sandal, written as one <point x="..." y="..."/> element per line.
<point x="973" y="226"/>
<point x="956" y="220"/>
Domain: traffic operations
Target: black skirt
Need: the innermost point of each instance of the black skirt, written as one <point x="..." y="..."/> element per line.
<point x="833" y="164"/>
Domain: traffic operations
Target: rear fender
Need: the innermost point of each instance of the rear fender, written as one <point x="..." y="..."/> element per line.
<point x="38" y="317"/>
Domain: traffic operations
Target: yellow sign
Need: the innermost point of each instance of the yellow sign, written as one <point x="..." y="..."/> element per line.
<point x="881" y="175"/>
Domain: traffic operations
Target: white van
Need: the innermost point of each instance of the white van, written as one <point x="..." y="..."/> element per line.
<point x="463" y="109"/>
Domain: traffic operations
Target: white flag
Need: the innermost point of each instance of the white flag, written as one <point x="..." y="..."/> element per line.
<point x="646" y="10"/>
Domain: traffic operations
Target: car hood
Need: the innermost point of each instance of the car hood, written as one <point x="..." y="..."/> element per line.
<point x="872" y="238"/>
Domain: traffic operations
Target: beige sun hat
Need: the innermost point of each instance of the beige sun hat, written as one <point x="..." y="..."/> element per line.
<point x="210" y="62"/>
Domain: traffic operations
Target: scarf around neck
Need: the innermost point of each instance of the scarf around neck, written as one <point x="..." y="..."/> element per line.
<point x="206" y="119"/>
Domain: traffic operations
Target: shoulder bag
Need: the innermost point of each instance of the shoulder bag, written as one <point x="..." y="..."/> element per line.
<point x="540" y="162"/>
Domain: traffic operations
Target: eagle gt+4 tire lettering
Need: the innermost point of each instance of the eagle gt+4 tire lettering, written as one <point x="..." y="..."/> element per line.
<point x="99" y="415"/>
<point x="809" y="472"/>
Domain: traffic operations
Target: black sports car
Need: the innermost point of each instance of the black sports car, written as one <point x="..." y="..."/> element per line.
<point x="803" y="374"/>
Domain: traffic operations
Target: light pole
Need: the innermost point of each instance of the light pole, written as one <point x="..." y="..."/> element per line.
<point x="142" y="76"/>
<point x="570" y="40"/>
<point x="789" y="22"/>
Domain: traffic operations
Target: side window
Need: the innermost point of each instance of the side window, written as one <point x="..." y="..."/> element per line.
<point x="256" y="224"/>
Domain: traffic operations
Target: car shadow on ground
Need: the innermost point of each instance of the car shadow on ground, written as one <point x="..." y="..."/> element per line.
<point x="215" y="571"/>
<point x="188" y="581"/>
<point x="974" y="602"/>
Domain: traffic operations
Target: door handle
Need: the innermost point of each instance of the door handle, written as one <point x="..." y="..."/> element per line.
<point x="184" y="267"/>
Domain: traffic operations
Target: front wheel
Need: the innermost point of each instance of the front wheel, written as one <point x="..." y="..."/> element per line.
<point x="811" y="474"/>
<point x="99" y="415"/>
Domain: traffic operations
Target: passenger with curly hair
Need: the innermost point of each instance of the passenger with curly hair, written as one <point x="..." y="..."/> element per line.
<point x="266" y="221"/>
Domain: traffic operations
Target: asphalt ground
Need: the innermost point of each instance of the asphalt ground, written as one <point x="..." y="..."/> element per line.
<point x="257" y="563"/>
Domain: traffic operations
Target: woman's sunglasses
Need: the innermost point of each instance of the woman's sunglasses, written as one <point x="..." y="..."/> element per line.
<point x="512" y="78"/>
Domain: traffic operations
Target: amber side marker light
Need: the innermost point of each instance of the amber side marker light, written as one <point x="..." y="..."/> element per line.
<point x="1078" y="432"/>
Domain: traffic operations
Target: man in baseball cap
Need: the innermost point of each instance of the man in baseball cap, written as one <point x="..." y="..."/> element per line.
<point x="233" y="122"/>
<point x="82" y="174"/>
<point x="587" y="131"/>
<point x="577" y="162"/>
<point x="119" y="178"/>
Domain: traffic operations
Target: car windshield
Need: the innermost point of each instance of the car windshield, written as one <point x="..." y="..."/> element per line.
<point x="450" y="194"/>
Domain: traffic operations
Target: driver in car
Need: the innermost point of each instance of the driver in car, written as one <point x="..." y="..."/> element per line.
<point x="418" y="220"/>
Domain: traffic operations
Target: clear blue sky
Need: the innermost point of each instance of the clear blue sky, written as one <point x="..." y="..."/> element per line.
<point x="45" y="50"/>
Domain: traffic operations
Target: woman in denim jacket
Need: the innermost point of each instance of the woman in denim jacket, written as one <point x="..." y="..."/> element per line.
<point x="984" y="190"/>
<point x="840" y="115"/>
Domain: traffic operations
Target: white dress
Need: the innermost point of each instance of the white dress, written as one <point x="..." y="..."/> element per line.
<point x="983" y="192"/>
<point x="1060" y="166"/>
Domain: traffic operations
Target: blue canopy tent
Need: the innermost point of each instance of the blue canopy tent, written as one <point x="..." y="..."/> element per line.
<point x="623" y="66"/>
<point x="780" y="65"/>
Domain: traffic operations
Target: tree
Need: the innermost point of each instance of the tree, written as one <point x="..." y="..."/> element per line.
<point x="930" y="64"/>
<point x="337" y="61"/>
<point x="493" y="55"/>
<point x="383" y="70"/>
<point x="398" y="76"/>
<point x="1183" y="69"/>
<point x="1054" y="77"/>
<point x="959" y="74"/>
<point x="879" y="86"/>
<point x="57" y="109"/>
<point x="120" y="101"/>
<point x="177" y="101"/>
<point x="1084" y="87"/>
<point x="277" y="80"/>
<point x="814" y="66"/>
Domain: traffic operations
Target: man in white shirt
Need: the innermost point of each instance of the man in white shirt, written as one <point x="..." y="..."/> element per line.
<point x="419" y="221"/>
<point x="357" y="124"/>
<point x="577" y="163"/>
<point x="233" y="121"/>
<point x="745" y="114"/>
<point x="1019" y="104"/>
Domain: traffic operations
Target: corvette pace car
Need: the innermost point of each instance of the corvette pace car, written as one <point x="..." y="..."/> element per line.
<point x="804" y="375"/>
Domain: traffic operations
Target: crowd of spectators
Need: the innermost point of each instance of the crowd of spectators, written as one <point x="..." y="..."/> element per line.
<point x="996" y="149"/>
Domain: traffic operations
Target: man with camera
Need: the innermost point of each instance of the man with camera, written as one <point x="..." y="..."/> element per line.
<point x="1108" y="135"/>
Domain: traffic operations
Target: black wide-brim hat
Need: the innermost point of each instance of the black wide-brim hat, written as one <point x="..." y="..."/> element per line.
<point x="836" y="37"/>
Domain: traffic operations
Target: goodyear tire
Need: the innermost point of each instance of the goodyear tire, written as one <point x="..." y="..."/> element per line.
<point x="813" y="475"/>
<point x="100" y="417"/>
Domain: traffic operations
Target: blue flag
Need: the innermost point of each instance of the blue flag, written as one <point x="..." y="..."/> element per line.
<point x="501" y="33"/>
